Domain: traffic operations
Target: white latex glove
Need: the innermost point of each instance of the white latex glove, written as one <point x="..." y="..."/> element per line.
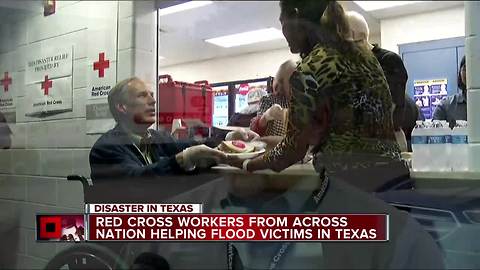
<point x="202" y="156"/>
<point x="241" y="134"/>
<point x="274" y="113"/>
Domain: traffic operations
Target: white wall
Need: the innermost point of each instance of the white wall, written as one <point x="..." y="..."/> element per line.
<point x="422" y="27"/>
<point x="240" y="67"/>
<point x="232" y="68"/>
<point x="46" y="150"/>
<point x="375" y="39"/>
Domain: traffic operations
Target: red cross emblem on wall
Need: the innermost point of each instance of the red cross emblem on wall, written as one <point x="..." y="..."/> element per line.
<point x="46" y="84"/>
<point x="6" y="81"/>
<point x="101" y="65"/>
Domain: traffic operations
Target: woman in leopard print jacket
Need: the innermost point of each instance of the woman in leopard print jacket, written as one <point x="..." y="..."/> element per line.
<point x="340" y="103"/>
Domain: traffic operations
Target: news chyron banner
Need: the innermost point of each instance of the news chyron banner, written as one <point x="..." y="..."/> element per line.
<point x="186" y="222"/>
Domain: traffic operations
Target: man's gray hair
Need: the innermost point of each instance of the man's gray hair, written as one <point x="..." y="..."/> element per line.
<point x="119" y="95"/>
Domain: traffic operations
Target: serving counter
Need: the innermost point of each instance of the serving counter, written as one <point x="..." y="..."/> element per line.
<point x="155" y="189"/>
<point x="296" y="169"/>
<point x="428" y="180"/>
<point x="423" y="180"/>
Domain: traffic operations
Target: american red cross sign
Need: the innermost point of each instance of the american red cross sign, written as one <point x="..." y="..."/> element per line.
<point x="101" y="65"/>
<point x="6" y="81"/>
<point x="46" y="84"/>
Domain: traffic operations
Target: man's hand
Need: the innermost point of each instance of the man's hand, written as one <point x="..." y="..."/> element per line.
<point x="234" y="161"/>
<point x="202" y="156"/>
<point x="274" y="113"/>
<point x="242" y="134"/>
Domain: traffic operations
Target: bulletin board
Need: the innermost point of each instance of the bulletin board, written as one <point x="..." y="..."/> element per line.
<point x="428" y="94"/>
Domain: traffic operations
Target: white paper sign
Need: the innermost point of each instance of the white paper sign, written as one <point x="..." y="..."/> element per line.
<point x="101" y="78"/>
<point x="51" y="62"/>
<point x="6" y="91"/>
<point x="9" y="81"/>
<point x="49" y="96"/>
<point x="101" y="81"/>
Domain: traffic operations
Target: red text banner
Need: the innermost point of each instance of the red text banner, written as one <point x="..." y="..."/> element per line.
<point x="238" y="227"/>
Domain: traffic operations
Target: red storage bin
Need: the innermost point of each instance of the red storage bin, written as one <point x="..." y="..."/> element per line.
<point x="184" y="100"/>
<point x="199" y="102"/>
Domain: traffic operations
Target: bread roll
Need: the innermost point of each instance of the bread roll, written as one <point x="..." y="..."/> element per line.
<point x="236" y="146"/>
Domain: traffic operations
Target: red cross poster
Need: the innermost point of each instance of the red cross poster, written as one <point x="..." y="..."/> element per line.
<point x="101" y="78"/>
<point x="49" y="96"/>
<point x="8" y="82"/>
<point x="48" y="79"/>
<point x="52" y="61"/>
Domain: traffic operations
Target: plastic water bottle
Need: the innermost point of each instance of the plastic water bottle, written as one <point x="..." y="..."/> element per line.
<point x="459" y="151"/>
<point x="439" y="137"/>
<point x="448" y="141"/>
<point x="421" y="156"/>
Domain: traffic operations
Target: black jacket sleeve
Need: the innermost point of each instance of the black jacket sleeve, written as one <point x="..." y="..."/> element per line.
<point x="396" y="75"/>
<point x="114" y="156"/>
<point x="113" y="161"/>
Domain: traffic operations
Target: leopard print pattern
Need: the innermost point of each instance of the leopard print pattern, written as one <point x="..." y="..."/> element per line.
<point x="360" y="101"/>
<point x="275" y="127"/>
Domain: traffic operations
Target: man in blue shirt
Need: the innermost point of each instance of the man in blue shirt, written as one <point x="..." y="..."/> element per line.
<point x="455" y="107"/>
<point x="131" y="150"/>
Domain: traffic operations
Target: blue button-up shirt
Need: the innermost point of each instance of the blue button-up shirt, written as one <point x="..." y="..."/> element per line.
<point x="451" y="109"/>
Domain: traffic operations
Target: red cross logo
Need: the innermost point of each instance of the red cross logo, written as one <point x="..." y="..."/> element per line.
<point x="101" y="65"/>
<point x="46" y="85"/>
<point x="6" y="81"/>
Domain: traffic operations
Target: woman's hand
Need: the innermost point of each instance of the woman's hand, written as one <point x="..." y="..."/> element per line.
<point x="271" y="141"/>
<point x="275" y="112"/>
<point x="254" y="164"/>
<point x="241" y="134"/>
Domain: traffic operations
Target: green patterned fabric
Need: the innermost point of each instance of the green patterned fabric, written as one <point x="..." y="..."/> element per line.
<point x="360" y="102"/>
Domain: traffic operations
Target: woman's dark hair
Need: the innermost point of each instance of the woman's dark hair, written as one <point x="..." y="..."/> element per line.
<point x="460" y="83"/>
<point x="330" y="25"/>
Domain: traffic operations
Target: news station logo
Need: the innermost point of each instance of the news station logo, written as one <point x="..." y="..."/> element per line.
<point x="61" y="227"/>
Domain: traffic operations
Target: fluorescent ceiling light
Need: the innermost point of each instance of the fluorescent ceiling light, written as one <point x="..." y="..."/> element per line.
<point x="377" y="5"/>
<point x="245" y="38"/>
<point x="183" y="7"/>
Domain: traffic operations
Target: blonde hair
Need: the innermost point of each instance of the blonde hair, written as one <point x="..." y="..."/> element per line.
<point x="359" y="30"/>
<point x="286" y="67"/>
<point x="334" y="18"/>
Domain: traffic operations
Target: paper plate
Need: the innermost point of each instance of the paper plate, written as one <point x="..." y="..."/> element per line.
<point x="231" y="128"/>
<point x="246" y="155"/>
<point x="259" y="149"/>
